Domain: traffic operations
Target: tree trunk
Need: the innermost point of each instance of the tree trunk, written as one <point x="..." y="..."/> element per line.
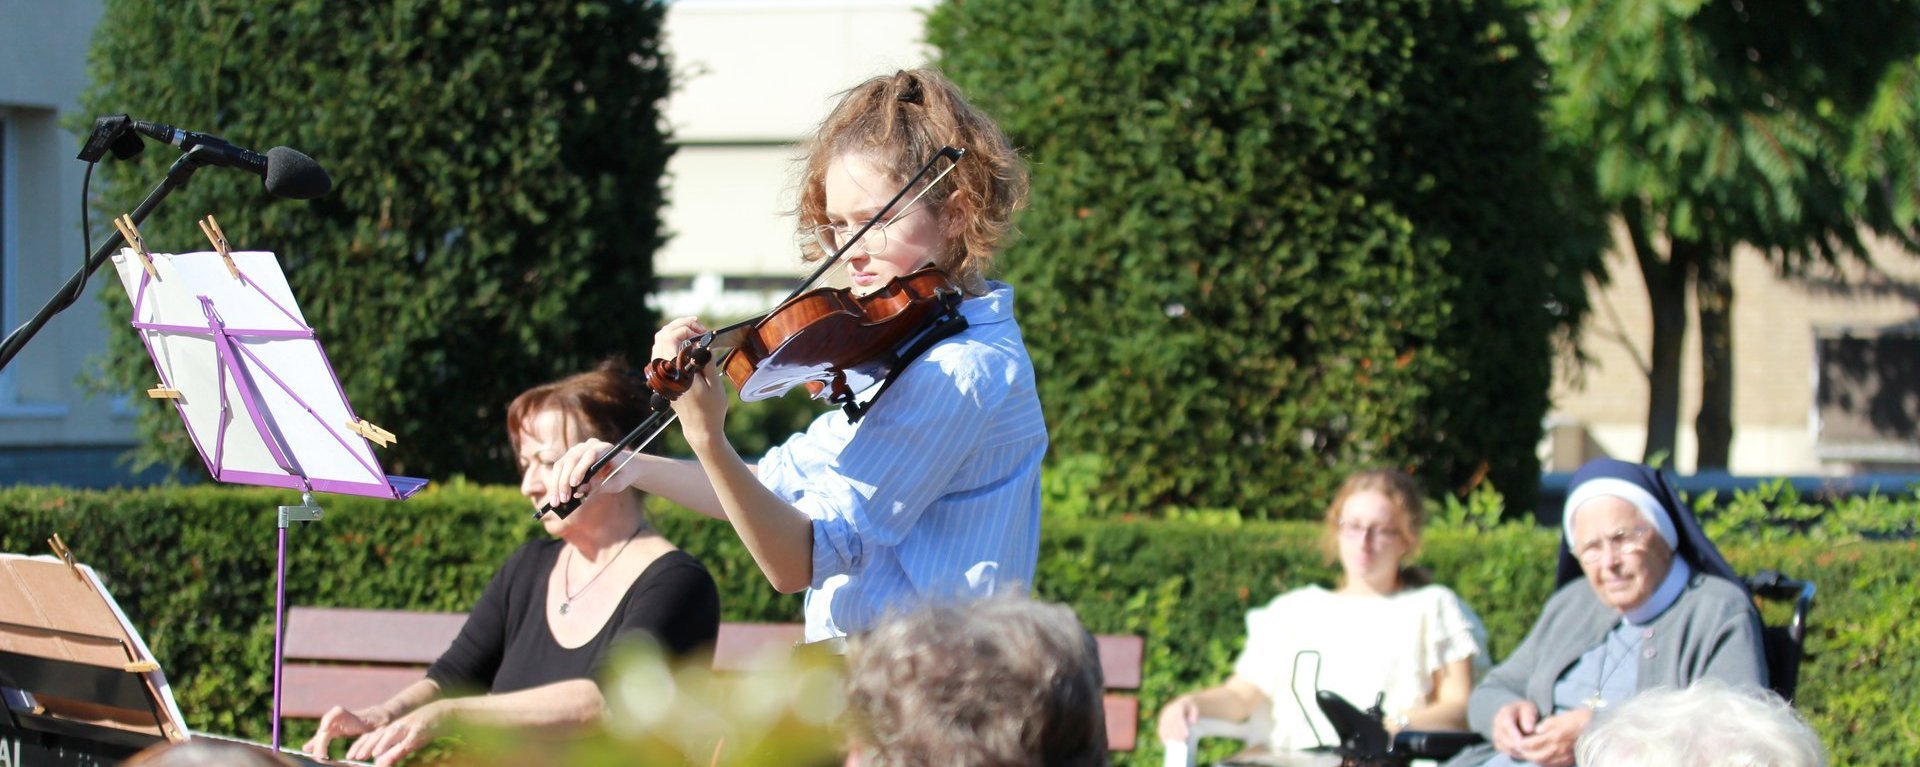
<point x="1666" y="281"/>
<point x="1713" y="292"/>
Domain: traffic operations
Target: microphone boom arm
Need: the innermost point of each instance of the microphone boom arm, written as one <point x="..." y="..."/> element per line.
<point x="177" y="177"/>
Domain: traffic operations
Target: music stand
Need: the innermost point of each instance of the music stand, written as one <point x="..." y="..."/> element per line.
<point x="254" y="388"/>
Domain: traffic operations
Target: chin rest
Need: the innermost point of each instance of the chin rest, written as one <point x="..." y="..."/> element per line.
<point x="1364" y="741"/>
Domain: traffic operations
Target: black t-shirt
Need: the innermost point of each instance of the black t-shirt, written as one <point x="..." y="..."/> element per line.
<point x="506" y="646"/>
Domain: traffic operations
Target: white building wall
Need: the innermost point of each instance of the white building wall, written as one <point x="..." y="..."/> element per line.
<point x="753" y="78"/>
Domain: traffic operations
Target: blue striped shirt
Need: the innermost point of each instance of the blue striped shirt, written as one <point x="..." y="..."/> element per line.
<point x="935" y="494"/>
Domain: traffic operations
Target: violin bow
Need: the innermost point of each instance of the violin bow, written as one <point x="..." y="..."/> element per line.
<point x="697" y="352"/>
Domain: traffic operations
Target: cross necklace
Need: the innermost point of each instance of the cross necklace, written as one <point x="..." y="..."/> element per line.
<point x="1598" y="699"/>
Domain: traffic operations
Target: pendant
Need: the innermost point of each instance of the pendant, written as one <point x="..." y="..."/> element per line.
<point x="1593" y="701"/>
<point x="564" y="606"/>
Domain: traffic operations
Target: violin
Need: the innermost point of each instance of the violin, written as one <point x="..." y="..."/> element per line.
<point x="828" y="339"/>
<point x="833" y="342"/>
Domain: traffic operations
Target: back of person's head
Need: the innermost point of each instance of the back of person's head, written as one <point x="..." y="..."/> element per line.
<point x="1005" y="682"/>
<point x="1709" y="724"/>
<point x="1409" y="512"/>
<point x="603" y="402"/>
<point x="898" y="122"/>
<point x="205" y="753"/>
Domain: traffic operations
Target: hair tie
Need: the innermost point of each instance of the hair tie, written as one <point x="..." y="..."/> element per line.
<point x="910" y="94"/>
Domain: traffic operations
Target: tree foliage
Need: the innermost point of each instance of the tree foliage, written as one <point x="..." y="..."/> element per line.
<point x="1275" y="240"/>
<point x="1713" y="125"/>
<point x="496" y="203"/>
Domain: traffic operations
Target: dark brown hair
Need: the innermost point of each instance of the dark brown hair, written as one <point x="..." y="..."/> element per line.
<point x="899" y="122"/>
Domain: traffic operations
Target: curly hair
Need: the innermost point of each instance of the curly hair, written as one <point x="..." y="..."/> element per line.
<point x="899" y="122"/>
<point x="1004" y="682"/>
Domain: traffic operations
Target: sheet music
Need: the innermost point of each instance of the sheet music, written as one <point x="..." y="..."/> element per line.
<point x="260" y="399"/>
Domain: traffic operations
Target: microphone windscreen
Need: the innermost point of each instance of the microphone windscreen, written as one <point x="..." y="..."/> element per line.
<point x="295" y="176"/>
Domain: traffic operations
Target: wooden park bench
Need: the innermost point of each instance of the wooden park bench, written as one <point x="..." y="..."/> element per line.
<point x="354" y="658"/>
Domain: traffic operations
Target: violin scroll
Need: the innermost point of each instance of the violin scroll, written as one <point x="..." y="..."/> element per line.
<point x="671" y="378"/>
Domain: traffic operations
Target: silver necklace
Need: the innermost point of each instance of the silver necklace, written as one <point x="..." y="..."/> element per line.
<point x="566" y="574"/>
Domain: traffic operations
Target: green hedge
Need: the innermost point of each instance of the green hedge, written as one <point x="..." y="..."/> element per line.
<point x="1272" y="241"/>
<point x="193" y="568"/>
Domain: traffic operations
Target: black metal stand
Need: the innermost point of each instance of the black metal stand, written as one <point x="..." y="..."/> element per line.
<point x="177" y="176"/>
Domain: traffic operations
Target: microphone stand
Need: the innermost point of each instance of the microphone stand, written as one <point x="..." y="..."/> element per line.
<point x="177" y="177"/>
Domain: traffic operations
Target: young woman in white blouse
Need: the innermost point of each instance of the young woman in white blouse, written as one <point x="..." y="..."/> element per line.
<point x="1384" y="630"/>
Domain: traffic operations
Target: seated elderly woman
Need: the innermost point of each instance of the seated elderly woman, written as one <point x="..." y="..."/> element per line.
<point x="1660" y="608"/>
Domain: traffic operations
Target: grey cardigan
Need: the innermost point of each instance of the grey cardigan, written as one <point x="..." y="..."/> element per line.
<point x="1711" y="630"/>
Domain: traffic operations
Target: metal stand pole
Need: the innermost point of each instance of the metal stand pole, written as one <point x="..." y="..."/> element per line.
<point x="305" y="512"/>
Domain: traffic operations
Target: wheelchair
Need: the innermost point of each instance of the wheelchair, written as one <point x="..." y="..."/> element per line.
<point x="1363" y="734"/>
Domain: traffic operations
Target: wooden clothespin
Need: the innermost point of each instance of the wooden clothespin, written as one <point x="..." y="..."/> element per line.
<point x="139" y="666"/>
<point x="211" y="229"/>
<point x="65" y="554"/>
<point x="372" y="433"/>
<point x="162" y="391"/>
<point x="132" y="234"/>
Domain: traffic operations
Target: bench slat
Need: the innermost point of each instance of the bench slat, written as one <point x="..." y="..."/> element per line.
<point x="337" y="638"/>
<point x="1120" y="660"/>
<point x="1123" y="721"/>
<point x="308" y="690"/>
<point x="370" y="636"/>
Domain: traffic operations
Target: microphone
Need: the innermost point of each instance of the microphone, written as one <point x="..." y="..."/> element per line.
<point x="287" y="172"/>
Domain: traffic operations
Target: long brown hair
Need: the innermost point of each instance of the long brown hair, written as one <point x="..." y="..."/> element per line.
<point x="899" y="122"/>
<point x="1409" y="513"/>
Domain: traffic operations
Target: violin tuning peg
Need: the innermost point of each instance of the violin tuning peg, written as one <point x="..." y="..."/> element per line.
<point x="700" y="356"/>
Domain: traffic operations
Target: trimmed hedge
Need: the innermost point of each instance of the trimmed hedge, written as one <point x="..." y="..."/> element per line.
<point x="193" y="567"/>
<point x="1274" y="241"/>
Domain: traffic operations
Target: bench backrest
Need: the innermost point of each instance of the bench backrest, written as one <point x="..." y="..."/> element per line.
<point x="355" y="658"/>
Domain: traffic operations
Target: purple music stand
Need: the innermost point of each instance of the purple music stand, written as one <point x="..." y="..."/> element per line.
<point x="259" y="398"/>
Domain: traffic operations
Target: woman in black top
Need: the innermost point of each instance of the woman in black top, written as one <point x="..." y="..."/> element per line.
<point x="537" y="637"/>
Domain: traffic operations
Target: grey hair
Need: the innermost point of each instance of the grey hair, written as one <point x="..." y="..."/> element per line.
<point x="1710" y="724"/>
<point x="1003" y="682"/>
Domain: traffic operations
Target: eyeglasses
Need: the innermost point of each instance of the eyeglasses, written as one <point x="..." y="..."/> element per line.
<point x="874" y="241"/>
<point x="1359" y="531"/>
<point x="1625" y="542"/>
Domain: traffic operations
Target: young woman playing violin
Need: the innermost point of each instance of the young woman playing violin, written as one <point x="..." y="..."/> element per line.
<point x="934" y="494"/>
